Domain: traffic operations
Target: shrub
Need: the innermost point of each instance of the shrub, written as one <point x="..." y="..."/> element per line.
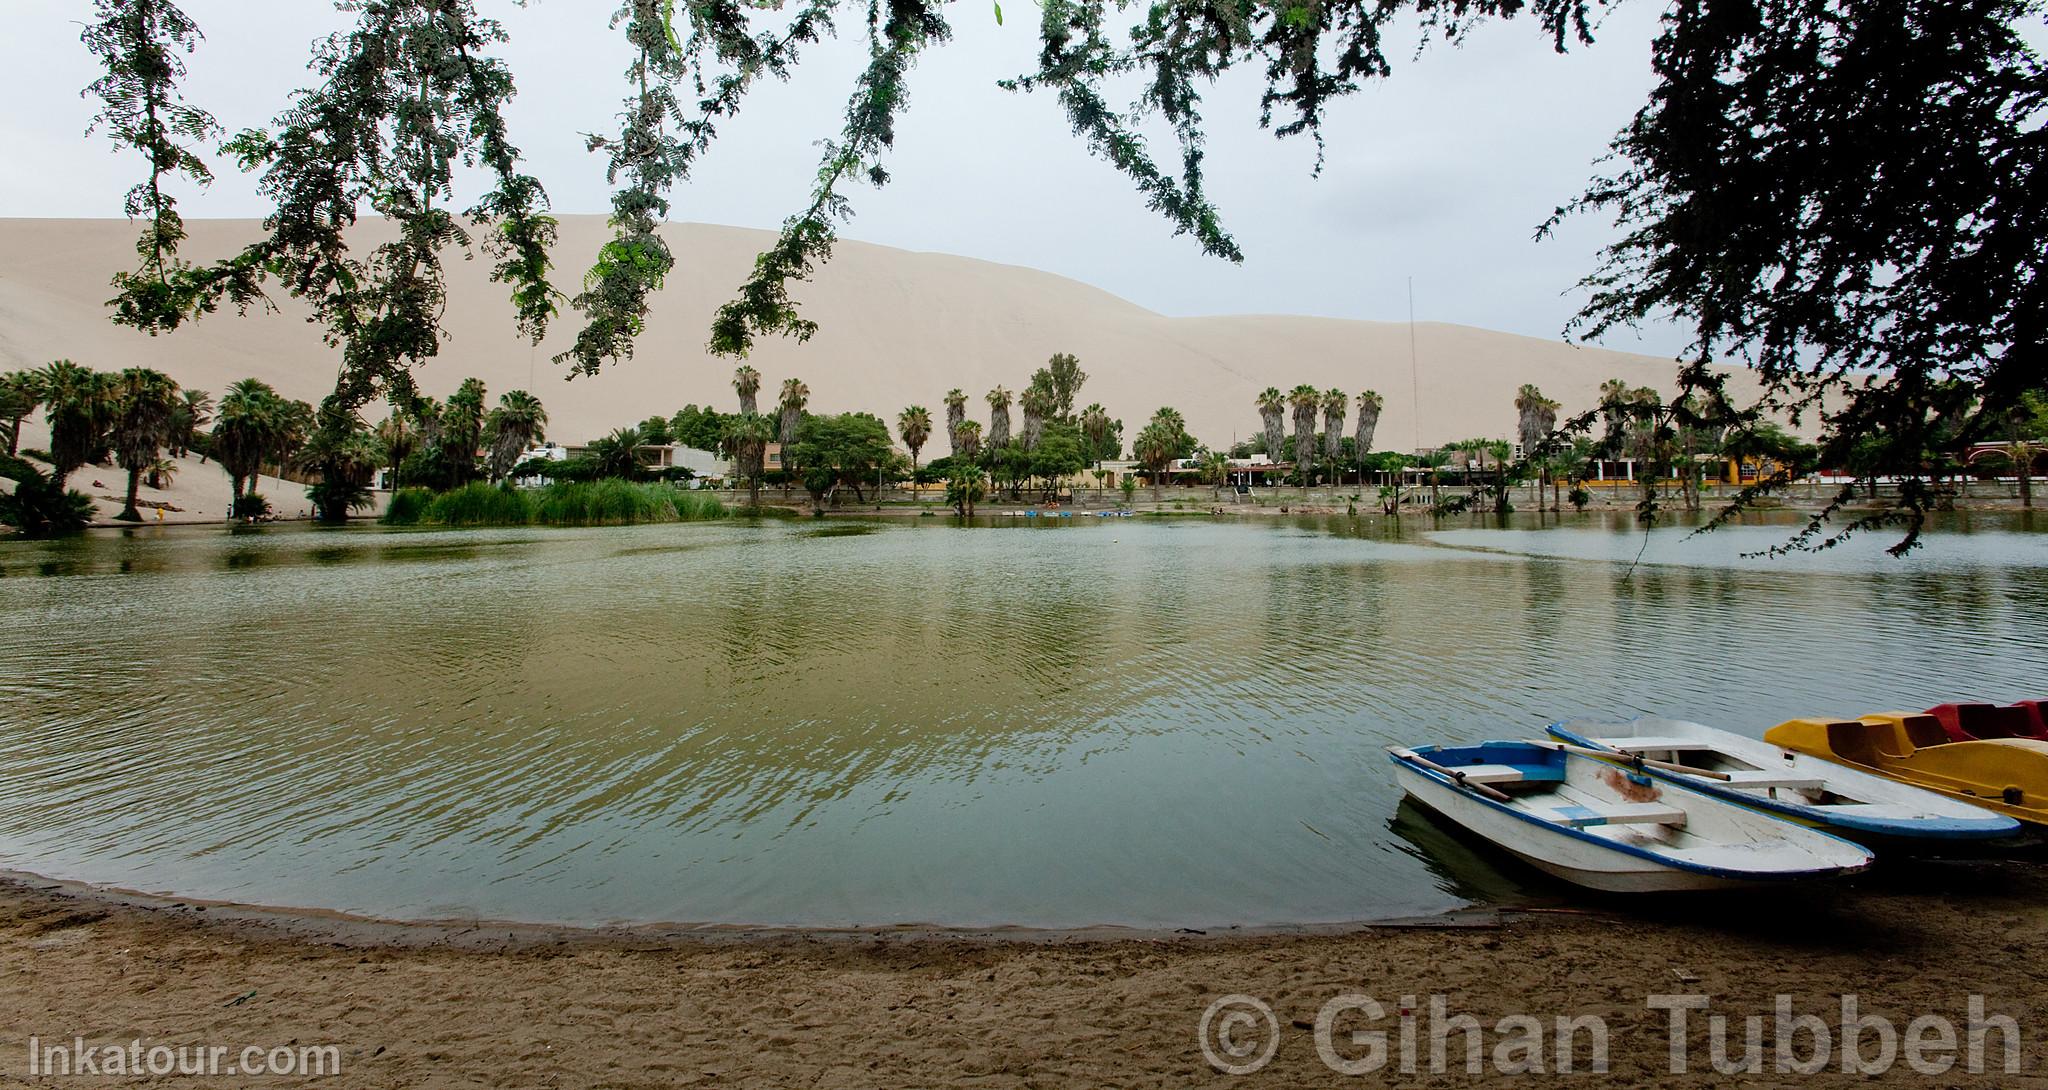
<point x="608" y="502"/>
<point x="480" y="504"/>
<point x="408" y="506"/>
<point x="39" y="506"/>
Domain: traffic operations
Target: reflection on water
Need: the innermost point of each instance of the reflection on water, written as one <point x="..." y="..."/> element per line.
<point x="1148" y="722"/>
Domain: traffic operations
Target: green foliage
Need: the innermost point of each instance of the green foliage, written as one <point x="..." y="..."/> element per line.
<point x="79" y="404"/>
<point x="1843" y="195"/>
<point x="408" y="506"/>
<point x="139" y="43"/>
<point x="606" y="502"/>
<point x="39" y="505"/>
<point x="702" y="428"/>
<point x="2030" y="418"/>
<point x="1164" y="441"/>
<point x="658" y="143"/>
<point x="479" y="504"/>
<point x="914" y="424"/>
<point x="616" y="455"/>
<point x="255" y="426"/>
<point x="402" y="100"/>
<point x="145" y="406"/>
<point x="1063" y="379"/>
<point x="764" y="305"/>
<point x="512" y="428"/>
<point x="20" y="393"/>
<point x="841" y="451"/>
<point x="250" y="505"/>
<point x="1058" y="455"/>
<point x="344" y="454"/>
<point x="1102" y="438"/>
<point x="654" y="431"/>
<point x="966" y="486"/>
<point x="1129" y="487"/>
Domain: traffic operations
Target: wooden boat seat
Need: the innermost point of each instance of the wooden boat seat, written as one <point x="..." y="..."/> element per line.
<point x="1769" y="779"/>
<point x="1614" y="813"/>
<point x="1645" y="745"/>
<point x="1490" y="773"/>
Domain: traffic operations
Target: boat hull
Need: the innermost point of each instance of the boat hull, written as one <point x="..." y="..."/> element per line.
<point x="1599" y="827"/>
<point x="2006" y="776"/>
<point x="1892" y="814"/>
<point x="1592" y="868"/>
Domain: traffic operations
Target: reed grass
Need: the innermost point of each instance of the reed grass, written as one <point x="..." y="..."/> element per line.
<point x="609" y="502"/>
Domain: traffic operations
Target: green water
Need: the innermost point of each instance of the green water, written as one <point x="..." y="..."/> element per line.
<point x="1043" y="722"/>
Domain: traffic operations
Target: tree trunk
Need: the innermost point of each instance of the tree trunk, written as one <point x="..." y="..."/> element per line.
<point x="128" y="512"/>
<point x="2025" y="462"/>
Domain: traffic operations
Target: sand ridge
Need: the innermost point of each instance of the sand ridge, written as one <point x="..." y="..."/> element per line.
<point x="897" y="328"/>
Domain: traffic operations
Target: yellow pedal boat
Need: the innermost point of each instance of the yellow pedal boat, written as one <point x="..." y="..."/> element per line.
<point x="2007" y="775"/>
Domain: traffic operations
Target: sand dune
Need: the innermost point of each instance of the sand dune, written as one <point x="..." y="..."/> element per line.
<point x="897" y="328"/>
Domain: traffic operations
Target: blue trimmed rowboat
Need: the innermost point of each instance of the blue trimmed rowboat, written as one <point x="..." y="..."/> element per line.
<point x="1606" y="827"/>
<point x="1823" y="794"/>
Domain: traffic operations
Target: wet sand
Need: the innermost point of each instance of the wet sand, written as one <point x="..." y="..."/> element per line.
<point x="477" y="1005"/>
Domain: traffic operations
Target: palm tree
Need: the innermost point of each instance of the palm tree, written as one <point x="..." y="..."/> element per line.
<point x="618" y="454"/>
<point x="970" y="440"/>
<point x="145" y="408"/>
<point x="1272" y="421"/>
<point x="246" y="430"/>
<point x="1038" y="403"/>
<point x="966" y="485"/>
<point x="1334" y="405"/>
<point x="915" y="425"/>
<point x="1096" y="428"/>
<point x="160" y="473"/>
<point x="20" y="393"/>
<point x="1538" y="415"/>
<point x="746" y="382"/>
<point x="343" y="454"/>
<point x="1369" y="405"/>
<point x="746" y="440"/>
<point x="790" y="417"/>
<point x="78" y="402"/>
<point x="513" y="428"/>
<point x="399" y="437"/>
<point x="462" y="429"/>
<point x="1304" y="400"/>
<point x="1216" y="467"/>
<point x="1160" y="443"/>
<point x="195" y="412"/>
<point x="998" y="417"/>
<point x="956" y="411"/>
<point x="295" y="425"/>
<point x="1434" y="461"/>
<point x="795" y="395"/>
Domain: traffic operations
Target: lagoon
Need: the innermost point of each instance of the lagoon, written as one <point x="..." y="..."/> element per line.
<point x="1041" y="723"/>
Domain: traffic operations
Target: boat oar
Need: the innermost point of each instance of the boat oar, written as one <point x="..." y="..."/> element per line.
<point x="1456" y="776"/>
<point x="1631" y="758"/>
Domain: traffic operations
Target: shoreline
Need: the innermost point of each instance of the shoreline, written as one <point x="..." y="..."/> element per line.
<point x="355" y="930"/>
<point x="881" y="1010"/>
<point x="1194" y="505"/>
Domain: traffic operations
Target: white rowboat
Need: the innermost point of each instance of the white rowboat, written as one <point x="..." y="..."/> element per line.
<point x="1597" y="825"/>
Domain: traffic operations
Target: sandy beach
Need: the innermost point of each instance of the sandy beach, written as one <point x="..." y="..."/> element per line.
<point x="473" y="1005"/>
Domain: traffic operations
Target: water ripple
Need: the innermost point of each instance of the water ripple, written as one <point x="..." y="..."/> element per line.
<point x="1146" y="722"/>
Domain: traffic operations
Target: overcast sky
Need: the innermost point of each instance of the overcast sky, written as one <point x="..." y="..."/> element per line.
<point x="1440" y="174"/>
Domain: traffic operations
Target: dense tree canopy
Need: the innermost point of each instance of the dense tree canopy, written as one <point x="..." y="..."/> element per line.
<point x="1846" y="195"/>
<point x="840" y="451"/>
